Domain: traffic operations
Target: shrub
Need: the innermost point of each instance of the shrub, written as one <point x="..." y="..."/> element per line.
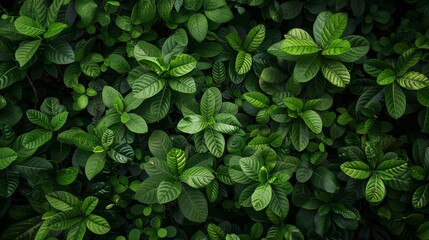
<point x="214" y="119"/>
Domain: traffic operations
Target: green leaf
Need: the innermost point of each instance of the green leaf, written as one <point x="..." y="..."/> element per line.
<point x="38" y="118"/>
<point x="243" y="62"/>
<point x="295" y="46"/>
<point x="176" y="160"/>
<point x="109" y="94"/>
<point x="257" y="99"/>
<point x="58" y="121"/>
<point x="55" y="29"/>
<point x="65" y="220"/>
<point x="215" y="232"/>
<point x="53" y="11"/>
<point x="359" y="48"/>
<point x="9" y="181"/>
<point x="193" y="205"/>
<point x="28" y="26"/>
<point x="35" y="169"/>
<point x="63" y="201"/>
<point x="250" y="166"/>
<point x="226" y="123"/>
<point x="356" y="169"/>
<point x="146" y="85"/>
<point x="374" y="67"/>
<point x="157" y="107"/>
<point x="197" y="177"/>
<point x="184" y="84"/>
<point x="407" y="60"/>
<point x="222" y="14"/>
<point x="279" y="203"/>
<point x="390" y="169"/>
<point x="413" y="81"/>
<point x="118" y="63"/>
<point x="192" y="124"/>
<point x="421" y="196"/>
<point x="214" y="141"/>
<point x="147" y="191"/>
<point x="336" y="47"/>
<point x="97" y="224"/>
<point x="312" y="120"/>
<point x="94" y="165"/>
<point x="375" y="190"/>
<point x="26" y="51"/>
<point x="136" y="124"/>
<point x="7" y="156"/>
<point x="387" y="76"/>
<point x="319" y="25"/>
<point x="66" y="176"/>
<point x="423" y="231"/>
<point x="293" y="103"/>
<point x="395" y="100"/>
<point x="181" y="65"/>
<point x="87" y="11"/>
<point x="299" y="135"/>
<point x="198" y="26"/>
<point x="160" y="144"/>
<point x="59" y="52"/>
<point x="168" y="191"/>
<point x="234" y="40"/>
<point x="36" y="138"/>
<point x="307" y="67"/>
<point x="261" y="197"/>
<point x="333" y="28"/>
<point x="254" y="38"/>
<point x="89" y="204"/>
<point x="9" y="74"/>
<point x="336" y="73"/>
<point x="325" y="179"/>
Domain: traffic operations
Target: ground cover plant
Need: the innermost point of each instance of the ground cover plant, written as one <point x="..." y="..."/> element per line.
<point x="214" y="119"/>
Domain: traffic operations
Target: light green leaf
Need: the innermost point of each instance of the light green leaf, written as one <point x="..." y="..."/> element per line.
<point x="94" y="165"/>
<point x="219" y="15"/>
<point x="168" y="191"/>
<point x="261" y="197"/>
<point x="89" y="204"/>
<point x="109" y="94"/>
<point x="136" y="124"/>
<point x="198" y="26"/>
<point x="421" y="196"/>
<point x="58" y="121"/>
<point x="55" y="29"/>
<point x="336" y="47"/>
<point x="387" y="76"/>
<point x="87" y="11"/>
<point x="359" y="48"/>
<point x="182" y="65"/>
<point x="293" y="103"/>
<point x="395" y="100"/>
<point x="197" y="177"/>
<point x="295" y="46"/>
<point x="36" y="138"/>
<point x="66" y="176"/>
<point x="313" y="120"/>
<point x="257" y="99"/>
<point x="63" y="201"/>
<point x="118" y="63"/>
<point x="193" y="205"/>
<point x="356" y="169"/>
<point x="333" y="28"/>
<point x="65" y="220"/>
<point x="176" y="160"/>
<point x="234" y="40"/>
<point x="7" y="156"/>
<point x="254" y="38"/>
<point x="146" y="85"/>
<point x="243" y="62"/>
<point x="192" y="124"/>
<point x="390" y="169"/>
<point x="214" y="141"/>
<point x="413" y="81"/>
<point x="59" y="52"/>
<point x="26" y="51"/>
<point x="319" y="25"/>
<point x="375" y="190"/>
<point x="184" y="84"/>
<point x="251" y="166"/>
<point x="28" y="26"/>
<point x="336" y="73"/>
<point x="97" y="224"/>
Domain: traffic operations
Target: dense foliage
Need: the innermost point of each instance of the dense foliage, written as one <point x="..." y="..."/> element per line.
<point x="214" y="119"/>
